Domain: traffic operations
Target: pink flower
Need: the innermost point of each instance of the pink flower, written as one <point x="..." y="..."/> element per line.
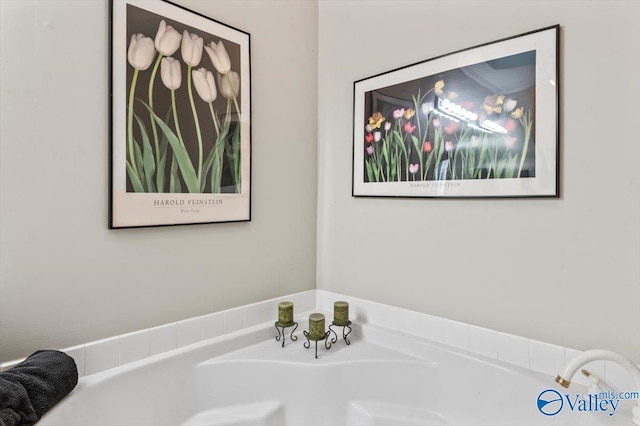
<point x="509" y="141"/>
<point x="451" y="128"/>
<point x="510" y="125"/>
<point x="413" y="168"/>
<point x="368" y="138"/>
<point x="426" y="147"/>
<point x="436" y="122"/>
<point x="448" y="145"/>
<point x="387" y="126"/>
<point x="398" y="113"/>
<point x="370" y="150"/>
<point x="408" y="127"/>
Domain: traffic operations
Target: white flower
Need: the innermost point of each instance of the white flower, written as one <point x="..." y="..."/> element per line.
<point x="167" y="39"/>
<point x="205" y="84"/>
<point x="141" y="52"/>
<point x="170" y="73"/>
<point x="509" y="105"/>
<point x="191" y="48"/>
<point x="223" y="83"/>
<point x="219" y="57"/>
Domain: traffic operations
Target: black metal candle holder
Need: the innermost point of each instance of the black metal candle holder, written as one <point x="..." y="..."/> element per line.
<point x="344" y="328"/>
<point x="281" y="331"/>
<point x="325" y="337"/>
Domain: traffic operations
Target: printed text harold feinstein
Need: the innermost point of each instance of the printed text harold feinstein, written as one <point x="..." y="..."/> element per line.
<point x="436" y="184"/>
<point x="187" y="203"/>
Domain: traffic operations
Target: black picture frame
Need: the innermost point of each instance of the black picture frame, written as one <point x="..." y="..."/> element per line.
<point x="479" y="122"/>
<point x="180" y="117"/>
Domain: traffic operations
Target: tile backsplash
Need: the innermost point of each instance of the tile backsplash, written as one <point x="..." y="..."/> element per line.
<point x="530" y="354"/>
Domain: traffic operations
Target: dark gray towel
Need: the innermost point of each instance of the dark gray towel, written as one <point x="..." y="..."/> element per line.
<point x="34" y="386"/>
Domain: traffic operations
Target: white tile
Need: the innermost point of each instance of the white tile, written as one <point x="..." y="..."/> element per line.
<point x="456" y="334"/>
<point x="100" y="355"/>
<point x="618" y="377"/>
<point x="546" y="358"/>
<point x="212" y="325"/>
<point x="431" y="327"/>
<point x="189" y="331"/>
<point x="360" y="311"/>
<point x="233" y="320"/>
<point x="259" y="313"/>
<point x="594" y="367"/>
<point x="513" y="349"/>
<point x="384" y="315"/>
<point x="162" y="339"/>
<point x="483" y="341"/>
<point x="77" y="353"/>
<point x="410" y="322"/>
<point x="134" y="346"/>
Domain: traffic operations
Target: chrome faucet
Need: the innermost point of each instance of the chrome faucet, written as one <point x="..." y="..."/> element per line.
<point x="564" y="378"/>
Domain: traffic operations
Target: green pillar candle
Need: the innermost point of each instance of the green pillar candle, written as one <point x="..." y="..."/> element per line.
<point x="341" y="313"/>
<point x="316" y="327"/>
<point x="285" y="313"/>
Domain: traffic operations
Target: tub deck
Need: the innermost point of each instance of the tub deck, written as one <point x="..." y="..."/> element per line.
<point x="382" y="378"/>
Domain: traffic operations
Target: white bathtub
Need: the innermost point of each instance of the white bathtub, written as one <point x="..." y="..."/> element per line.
<point x="382" y="378"/>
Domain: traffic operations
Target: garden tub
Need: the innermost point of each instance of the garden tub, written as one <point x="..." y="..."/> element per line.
<point x="382" y="378"/>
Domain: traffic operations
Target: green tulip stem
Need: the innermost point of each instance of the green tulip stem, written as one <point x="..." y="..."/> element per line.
<point x="217" y="160"/>
<point x="526" y="123"/>
<point x="215" y="119"/>
<point x="175" y="117"/>
<point x="132" y="91"/>
<point x="197" y="123"/>
<point x="235" y="101"/>
<point x="153" y="122"/>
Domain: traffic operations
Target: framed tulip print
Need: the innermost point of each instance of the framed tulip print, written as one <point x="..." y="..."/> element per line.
<point x="479" y="122"/>
<point x="180" y="117"/>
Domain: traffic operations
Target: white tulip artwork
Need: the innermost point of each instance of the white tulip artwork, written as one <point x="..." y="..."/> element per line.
<point x="180" y="119"/>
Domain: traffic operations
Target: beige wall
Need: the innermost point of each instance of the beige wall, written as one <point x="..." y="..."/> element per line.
<point x="66" y="279"/>
<point x="562" y="270"/>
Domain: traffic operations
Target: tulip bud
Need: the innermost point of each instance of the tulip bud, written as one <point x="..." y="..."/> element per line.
<point x="205" y="84"/>
<point x="167" y="39"/>
<point x="141" y="52"/>
<point x="191" y="48"/>
<point x="171" y="73"/>
<point x="223" y="82"/>
<point x="509" y="105"/>
<point x="219" y="57"/>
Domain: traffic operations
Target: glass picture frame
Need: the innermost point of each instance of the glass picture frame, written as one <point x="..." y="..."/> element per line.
<point x="479" y="122"/>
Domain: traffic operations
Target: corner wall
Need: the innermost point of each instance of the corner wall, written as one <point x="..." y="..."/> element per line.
<point x="65" y="278"/>
<point x="564" y="271"/>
